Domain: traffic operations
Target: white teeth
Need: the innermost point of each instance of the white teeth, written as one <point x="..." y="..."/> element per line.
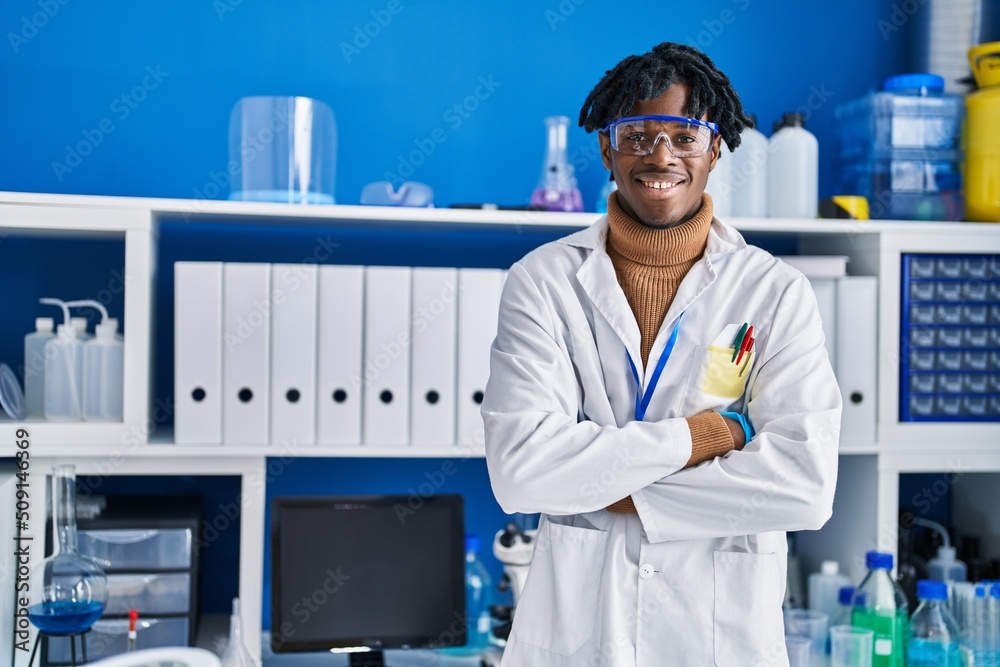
<point x="659" y="185"/>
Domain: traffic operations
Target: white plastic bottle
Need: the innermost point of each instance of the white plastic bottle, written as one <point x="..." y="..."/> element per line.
<point x="824" y="588"/>
<point x="63" y="371"/>
<point x="34" y="367"/>
<point x="793" y="170"/>
<point x="80" y="324"/>
<point x="946" y="567"/>
<point x="750" y="175"/>
<point x="103" y="368"/>
<point x="720" y="184"/>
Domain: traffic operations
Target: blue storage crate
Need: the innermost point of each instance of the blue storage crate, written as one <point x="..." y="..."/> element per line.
<point x="950" y="338"/>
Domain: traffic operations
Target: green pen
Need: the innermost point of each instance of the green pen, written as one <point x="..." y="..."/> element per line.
<point x="738" y="339"/>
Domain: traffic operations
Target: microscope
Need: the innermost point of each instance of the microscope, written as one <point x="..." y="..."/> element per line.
<point x="513" y="547"/>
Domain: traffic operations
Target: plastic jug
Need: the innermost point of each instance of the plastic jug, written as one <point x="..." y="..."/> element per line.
<point x="720" y="184"/>
<point x="824" y="588"/>
<point x="982" y="136"/>
<point x="750" y="175"/>
<point x="793" y="170"/>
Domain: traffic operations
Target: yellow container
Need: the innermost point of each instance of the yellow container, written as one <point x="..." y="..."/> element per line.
<point x="982" y="135"/>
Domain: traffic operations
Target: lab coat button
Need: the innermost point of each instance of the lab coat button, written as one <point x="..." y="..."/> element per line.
<point x="646" y="571"/>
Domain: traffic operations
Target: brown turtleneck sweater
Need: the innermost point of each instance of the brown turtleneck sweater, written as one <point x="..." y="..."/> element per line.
<point x="650" y="264"/>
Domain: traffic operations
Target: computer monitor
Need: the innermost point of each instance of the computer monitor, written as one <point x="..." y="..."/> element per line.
<point x="360" y="574"/>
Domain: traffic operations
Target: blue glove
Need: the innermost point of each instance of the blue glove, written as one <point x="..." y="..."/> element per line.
<point x="748" y="431"/>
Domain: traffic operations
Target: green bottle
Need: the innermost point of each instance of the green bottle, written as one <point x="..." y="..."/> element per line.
<point x="880" y="606"/>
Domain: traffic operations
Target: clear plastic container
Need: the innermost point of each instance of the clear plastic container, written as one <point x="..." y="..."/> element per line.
<point x="149" y="594"/>
<point x="933" y="632"/>
<point x="900" y="148"/>
<point x="118" y="549"/>
<point x="880" y="606"/>
<point x="285" y="149"/>
<point x="910" y="112"/>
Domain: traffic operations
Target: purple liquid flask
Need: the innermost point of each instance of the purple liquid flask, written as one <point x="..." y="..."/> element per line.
<point x="557" y="189"/>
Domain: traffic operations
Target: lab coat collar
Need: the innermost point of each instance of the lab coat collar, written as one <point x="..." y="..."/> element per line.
<point x="597" y="274"/>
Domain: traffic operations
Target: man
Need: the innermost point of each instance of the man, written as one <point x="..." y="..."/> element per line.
<point x="620" y="377"/>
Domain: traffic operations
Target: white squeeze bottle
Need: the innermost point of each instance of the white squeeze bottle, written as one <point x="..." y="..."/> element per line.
<point x="824" y="588"/>
<point x="103" y="368"/>
<point x="793" y="170"/>
<point x="34" y="366"/>
<point x="749" y="176"/>
<point x="80" y="324"/>
<point x="63" y="370"/>
<point x="720" y="185"/>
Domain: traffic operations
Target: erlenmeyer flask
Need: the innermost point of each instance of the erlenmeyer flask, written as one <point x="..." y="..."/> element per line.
<point x="557" y="189"/>
<point x="68" y="590"/>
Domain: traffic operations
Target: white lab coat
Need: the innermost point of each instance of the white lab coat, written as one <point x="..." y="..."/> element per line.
<point x="698" y="576"/>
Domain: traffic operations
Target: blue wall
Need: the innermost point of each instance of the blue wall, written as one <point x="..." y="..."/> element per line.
<point x="63" y="82"/>
<point x="65" y="65"/>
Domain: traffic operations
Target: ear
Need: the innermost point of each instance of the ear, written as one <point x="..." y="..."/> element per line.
<point x="605" y="141"/>
<point x="715" y="150"/>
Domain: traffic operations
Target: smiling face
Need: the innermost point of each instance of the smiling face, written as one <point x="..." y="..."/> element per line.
<point x="660" y="190"/>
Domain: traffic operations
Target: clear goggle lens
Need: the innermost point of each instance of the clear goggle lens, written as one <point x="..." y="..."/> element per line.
<point x="685" y="137"/>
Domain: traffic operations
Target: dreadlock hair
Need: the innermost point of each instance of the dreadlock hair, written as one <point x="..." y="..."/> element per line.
<point x="645" y="77"/>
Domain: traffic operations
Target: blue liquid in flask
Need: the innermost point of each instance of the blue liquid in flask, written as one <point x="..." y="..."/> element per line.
<point x="64" y="617"/>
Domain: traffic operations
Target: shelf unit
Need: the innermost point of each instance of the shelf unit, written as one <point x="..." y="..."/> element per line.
<point x="140" y="445"/>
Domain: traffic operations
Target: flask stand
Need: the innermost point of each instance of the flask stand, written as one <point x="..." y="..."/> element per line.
<point x="72" y="647"/>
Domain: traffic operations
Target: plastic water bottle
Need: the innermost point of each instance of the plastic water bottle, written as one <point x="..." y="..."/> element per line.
<point x="477" y="602"/>
<point x="34" y="366"/>
<point x="63" y="370"/>
<point x="749" y="175"/>
<point x="880" y="605"/>
<point x="945" y="567"/>
<point x="720" y="184"/>
<point x="934" y="633"/>
<point x="824" y="588"/>
<point x="793" y="170"/>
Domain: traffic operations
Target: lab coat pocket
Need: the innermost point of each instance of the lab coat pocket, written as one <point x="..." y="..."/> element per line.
<point x="723" y="377"/>
<point x="748" y="624"/>
<point x="557" y="609"/>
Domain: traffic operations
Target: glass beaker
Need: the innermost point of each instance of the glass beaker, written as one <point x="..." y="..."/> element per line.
<point x="68" y="590"/>
<point x="282" y="149"/>
<point x="557" y="189"/>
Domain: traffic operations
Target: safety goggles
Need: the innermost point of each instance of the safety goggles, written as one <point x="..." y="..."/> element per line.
<point x="638" y="135"/>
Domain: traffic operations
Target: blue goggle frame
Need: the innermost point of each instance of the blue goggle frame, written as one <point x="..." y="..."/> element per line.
<point x="713" y="127"/>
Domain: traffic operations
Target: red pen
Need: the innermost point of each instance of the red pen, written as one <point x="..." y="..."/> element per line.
<point x="745" y="347"/>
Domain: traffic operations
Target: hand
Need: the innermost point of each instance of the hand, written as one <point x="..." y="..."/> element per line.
<point x="735" y="430"/>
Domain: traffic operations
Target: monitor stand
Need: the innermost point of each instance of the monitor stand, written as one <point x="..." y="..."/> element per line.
<point x="367" y="659"/>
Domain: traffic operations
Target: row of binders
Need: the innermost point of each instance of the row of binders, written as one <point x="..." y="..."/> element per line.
<point x="333" y="355"/>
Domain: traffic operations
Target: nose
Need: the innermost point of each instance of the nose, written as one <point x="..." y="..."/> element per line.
<point x="661" y="155"/>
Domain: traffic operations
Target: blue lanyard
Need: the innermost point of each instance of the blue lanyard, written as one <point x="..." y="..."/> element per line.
<point x="642" y="400"/>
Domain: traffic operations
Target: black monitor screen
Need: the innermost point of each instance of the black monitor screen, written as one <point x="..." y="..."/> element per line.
<point x="367" y="571"/>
